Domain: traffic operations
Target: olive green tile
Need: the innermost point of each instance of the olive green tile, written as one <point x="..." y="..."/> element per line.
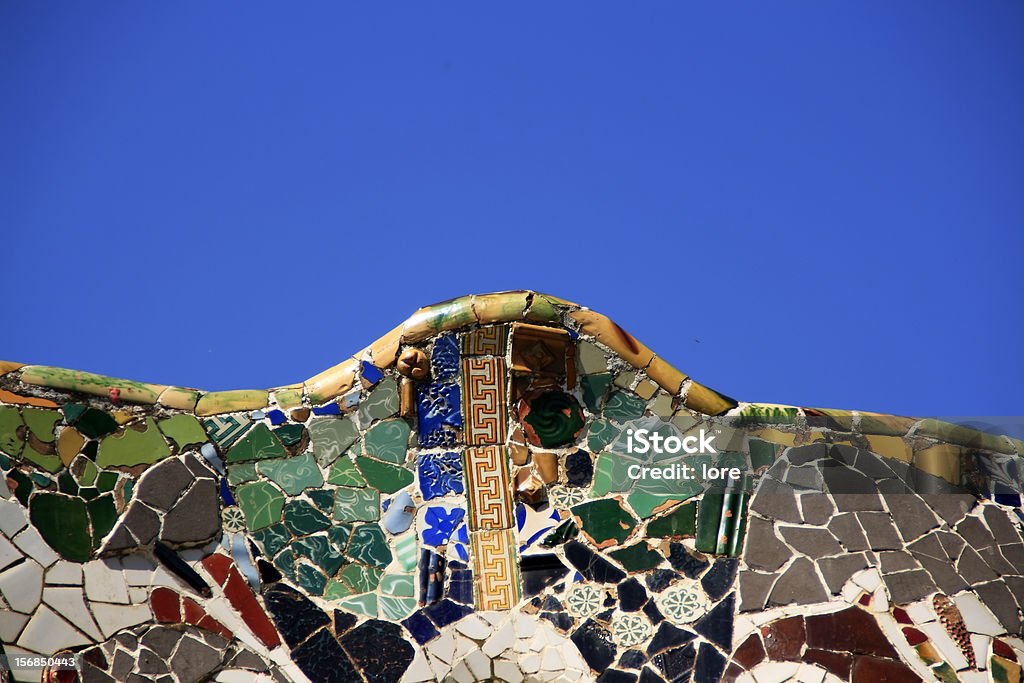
<point x="288" y="398"/>
<point x="623" y="406"/>
<point x="637" y="558"/>
<point x="261" y="503"/>
<point x="355" y="505"/>
<point x="259" y="444"/>
<point x="10" y="441"/>
<point x="380" y="403"/>
<point x="272" y="539"/>
<point x="41" y="422"/>
<point x="360" y="577"/>
<point x="47" y="461"/>
<point x="63" y="522"/>
<point x="132" y="446"/>
<point x="302" y="517"/>
<point x="241" y="473"/>
<point x="106" y="481"/>
<point x="88" y="383"/>
<point x="345" y="473"/>
<point x="294" y="474"/>
<point x="369" y="546"/>
<point x="388" y="440"/>
<point x="320" y="551"/>
<point x="680" y="522"/>
<point x="183" y="430"/>
<point x="310" y="578"/>
<point x="89" y="473"/>
<point x="605" y="522"/>
<point x="382" y="476"/>
<point x="331" y="436"/>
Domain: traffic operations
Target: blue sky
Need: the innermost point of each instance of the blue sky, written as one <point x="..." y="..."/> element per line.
<point x="828" y="196"/>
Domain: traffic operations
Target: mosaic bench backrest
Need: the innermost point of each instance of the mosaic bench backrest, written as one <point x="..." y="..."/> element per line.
<point x="465" y="499"/>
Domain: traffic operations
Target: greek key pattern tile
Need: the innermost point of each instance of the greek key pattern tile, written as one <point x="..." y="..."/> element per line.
<point x="484" y="400"/>
<point x="487" y="488"/>
<point x="486" y="341"/>
<point x="496" y="572"/>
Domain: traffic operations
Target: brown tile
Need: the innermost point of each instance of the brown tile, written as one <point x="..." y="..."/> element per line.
<point x="540" y="350"/>
<point x="750" y="653"/>
<point x="836" y="663"/>
<point x="874" y="669"/>
<point x="546" y="464"/>
<point x="784" y="639"/>
<point x="849" y="630"/>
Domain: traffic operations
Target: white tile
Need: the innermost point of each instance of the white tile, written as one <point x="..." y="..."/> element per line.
<point x="47" y="633"/>
<point x="113" y="618"/>
<point x="12" y="517"/>
<point x="4" y="491"/>
<point x="33" y="545"/>
<point x="479" y="664"/>
<point x="419" y="671"/>
<point x="507" y="671"/>
<point x="11" y="624"/>
<point x="809" y="673"/>
<point x="973" y="676"/>
<point x="22" y="586"/>
<point x="440" y="669"/>
<point x="69" y="603"/>
<point x="921" y="612"/>
<point x="64" y="573"/>
<point x="137" y="595"/>
<point x="8" y="553"/>
<point x="503" y="639"/>
<point x="868" y="579"/>
<point x="981" y="645"/>
<point x="138" y="570"/>
<point x="550" y="660"/>
<point x="27" y="675"/>
<point x="462" y="674"/>
<point x="463" y="646"/>
<point x="530" y="663"/>
<point x="949" y="650"/>
<point x="104" y="584"/>
<point x="775" y="672"/>
<point x="526" y="624"/>
<point x="443" y="647"/>
<point x="473" y="627"/>
<point x="976" y="616"/>
<point x="880" y="601"/>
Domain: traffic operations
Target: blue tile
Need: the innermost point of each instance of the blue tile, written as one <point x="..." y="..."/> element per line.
<point x="329" y="409"/>
<point x="440" y="523"/>
<point x="460" y="586"/>
<point x="446" y="612"/>
<point x="421" y="628"/>
<point x="439" y="414"/>
<point x="225" y="493"/>
<point x="440" y="474"/>
<point x="371" y="373"/>
<point x="444" y="358"/>
<point x="277" y="417"/>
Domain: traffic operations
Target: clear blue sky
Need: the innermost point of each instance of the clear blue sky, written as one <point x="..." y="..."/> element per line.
<point x="829" y="196"/>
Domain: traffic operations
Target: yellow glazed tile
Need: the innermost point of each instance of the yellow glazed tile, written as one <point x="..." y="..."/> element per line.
<point x="442" y="317"/>
<point x="217" y="402"/>
<point x="887" y="425"/>
<point x="11" y="397"/>
<point x="707" y="401"/>
<point x="962" y="436"/>
<point x="670" y="379"/>
<point x="331" y="383"/>
<point x="179" y="398"/>
<point x="89" y="383"/>
<point x="614" y="337"/>
<point x="890" y="447"/>
<point x="645" y="389"/>
<point x="384" y="351"/>
<point x="499" y="308"/>
<point x="546" y="309"/>
<point x="69" y="444"/>
<point x="9" y="366"/>
<point x="775" y="436"/>
<point x="288" y="397"/>
<point x="942" y="460"/>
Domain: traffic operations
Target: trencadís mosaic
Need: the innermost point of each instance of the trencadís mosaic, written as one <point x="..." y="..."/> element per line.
<point x="507" y="487"/>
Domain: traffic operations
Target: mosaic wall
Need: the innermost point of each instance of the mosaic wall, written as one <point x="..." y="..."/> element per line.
<point x="457" y="502"/>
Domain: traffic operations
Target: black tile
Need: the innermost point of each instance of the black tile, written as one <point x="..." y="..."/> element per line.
<point x="615" y="676"/>
<point x="540" y="571"/>
<point x="295" y="615"/>
<point x="322" y="659"/>
<point x="648" y="676"/>
<point x="561" y="620"/>
<point x="632" y="595"/>
<point x="632" y="659"/>
<point x="653" y="615"/>
<point x="379" y="650"/>
<point x="716" y="625"/>
<point x="343" y="621"/>
<point x="676" y="665"/>
<point x="579" y="469"/>
<point x="668" y="636"/>
<point x="592" y="566"/>
<point x="659" y="579"/>
<point x="595" y="644"/>
<point x="681" y="560"/>
<point x="718" y="581"/>
<point x="710" y="665"/>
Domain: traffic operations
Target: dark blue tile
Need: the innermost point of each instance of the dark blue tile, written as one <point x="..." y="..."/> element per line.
<point x="439" y="414"/>
<point x="460" y="586"/>
<point x="277" y="417"/>
<point x="446" y="612"/>
<point x="371" y="373"/>
<point x="440" y="474"/>
<point x="421" y="628"/>
<point x="329" y="409"/>
<point x="225" y="493"/>
<point x="444" y="358"/>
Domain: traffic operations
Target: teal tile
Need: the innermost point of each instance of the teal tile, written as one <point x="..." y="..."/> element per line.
<point x="360" y="578"/>
<point x="301" y="518"/>
<point x="395" y="608"/>
<point x="600" y="434"/>
<point x="365" y="604"/>
<point x="405" y="549"/>
<point x="294" y="475"/>
<point x="319" y="550"/>
<point x="356" y="505"/>
<point x="261" y="503"/>
<point x="272" y="539"/>
<point x="339" y="535"/>
<point x="331" y="436"/>
<point x="241" y="473"/>
<point x="623" y="406"/>
<point x="388" y="440"/>
<point x="369" y="546"/>
<point x="382" y="402"/>
<point x="310" y="578"/>
<point x="322" y="498"/>
<point x="594" y="389"/>
<point x="289" y="435"/>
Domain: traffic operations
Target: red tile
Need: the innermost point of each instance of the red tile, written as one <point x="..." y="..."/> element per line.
<point x="913" y="636"/>
<point x="901" y="615"/>
<point x="193" y="612"/>
<point x="873" y="670"/>
<point x="245" y="603"/>
<point x="218" y="566"/>
<point x="211" y="624"/>
<point x="836" y="663"/>
<point x="1003" y="650"/>
<point x="166" y="605"/>
<point x="849" y="630"/>
<point x="865" y="600"/>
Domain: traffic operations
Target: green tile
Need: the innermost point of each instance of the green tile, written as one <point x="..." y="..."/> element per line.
<point x="331" y="436"/>
<point x="395" y="608"/>
<point x="90" y="422"/>
<point x="647" y="504"/>
<point x="611" y="473"/>
<point x="623" y="406"/>
<point x="345" y="473"/>
<point x="183" y="430"/>
<point x="47" y="461"/>
<point x="285" y="562"/>
<point x="322" y="498"/>
<point x="301" y="517"/>
<point x="360" y="578"/>
<point x="41" y="422"/>
<point x="310" y="579"/>
<point x="294" y="475"/>
<point x="399" y="585"/>
<point x="762" y="453"/>
<point x="365" y="604"/>
<point x="605" y="522"/>
<point x="131" y="446"/>
<point x="383" y="477"/>
<point x="10" y="441"/>
<point x="594" y="389"/>
<point x="382" y="402"/>
<point x="290" y="434"/>
<point x="355" y="505"/>
<point x="339" y="535"/>
<point x="259" y="444"/>
<point x="63" y="523"/>
<point x="600" y="434"/>
<point x="261" y="503"/>
<point x="388" y="440"/>
<point x="89" y="473"/>
<point x="336" y="590"/>
<point x="241" y="473"/>
<point x="319" y="550"/>
<point x="67" y="484"/>
<point x="103" y="514"/>
<point x="566" y="531"/>
<point x="637" y="558"/>
<point x="272" y="539"/>
<point x="369" y="546"/>
<point x="758" y="414"/>
<point x="680" y="522"/>
<point x="106" y="481"/>
<point x="42" y="481"/>
<point x="87" y="493"/>
<point x="405" y="549"/>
